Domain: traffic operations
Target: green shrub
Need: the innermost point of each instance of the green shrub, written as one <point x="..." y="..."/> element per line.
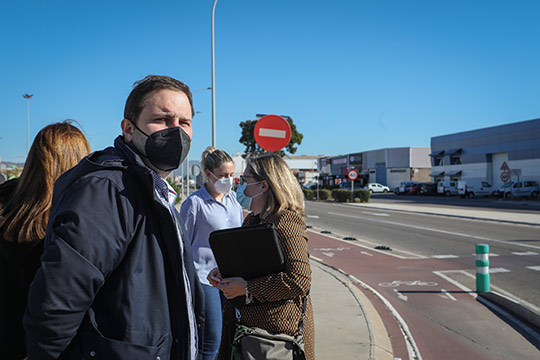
<point x="362" y="195"/>
<point x="341" y="195"/>
<point x="324" y="194"/>
<point x="309" y="194"/>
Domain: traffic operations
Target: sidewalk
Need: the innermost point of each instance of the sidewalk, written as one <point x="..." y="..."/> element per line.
<point x="498" y="215"/>
<point x="346" y="324"/>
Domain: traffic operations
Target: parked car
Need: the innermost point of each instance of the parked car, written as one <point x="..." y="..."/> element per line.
<point x="376" y="188"/>
<point x="503" y="190"/>
<point x="524" y="188"/>
<point x="428" y="189"/>
<point x="415" y="188"/>
<point x="311" y="186"/>
<point x="405" y="186"/>
<point x="447" y="187"/>
<point x="472" y="188"/>
<point x="348" y="185"/>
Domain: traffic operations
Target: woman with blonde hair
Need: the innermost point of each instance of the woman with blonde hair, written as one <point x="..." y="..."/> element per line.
<point x="25" y="204"/>
<point x="277" y="303"/>
<point x="212" y="207"/>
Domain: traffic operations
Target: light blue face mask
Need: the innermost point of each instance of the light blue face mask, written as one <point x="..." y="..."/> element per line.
<point x="241" y="196"/>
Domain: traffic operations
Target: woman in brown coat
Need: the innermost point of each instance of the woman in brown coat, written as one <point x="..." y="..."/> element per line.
<point x="272" y="302"/>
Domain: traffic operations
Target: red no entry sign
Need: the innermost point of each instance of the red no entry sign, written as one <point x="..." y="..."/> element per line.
<point x="352" y="175"/>
<point x="272" y="132"/>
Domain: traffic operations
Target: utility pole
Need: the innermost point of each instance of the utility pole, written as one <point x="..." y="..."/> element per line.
<point x="27" y="97"/>
<point x="213" y="82"/>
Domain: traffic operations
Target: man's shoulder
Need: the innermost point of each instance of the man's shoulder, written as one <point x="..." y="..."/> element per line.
<point x="108" y="166"/>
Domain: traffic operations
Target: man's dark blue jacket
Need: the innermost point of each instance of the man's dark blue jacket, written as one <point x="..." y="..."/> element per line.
<point x="111" y="284"/>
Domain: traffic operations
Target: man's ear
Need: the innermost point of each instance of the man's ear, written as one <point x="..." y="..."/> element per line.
<point x="127" y="130"/>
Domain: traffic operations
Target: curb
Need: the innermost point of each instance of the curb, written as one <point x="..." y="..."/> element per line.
<point x="513" y="307"/>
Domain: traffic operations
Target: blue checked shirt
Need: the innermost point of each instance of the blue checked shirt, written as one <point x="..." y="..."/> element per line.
<point x="167" y="195"/>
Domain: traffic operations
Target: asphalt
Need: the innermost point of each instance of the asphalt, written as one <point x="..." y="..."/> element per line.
<point x="347" y="326"/>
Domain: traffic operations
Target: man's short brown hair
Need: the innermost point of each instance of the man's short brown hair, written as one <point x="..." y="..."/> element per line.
<point x="143" y="88"/>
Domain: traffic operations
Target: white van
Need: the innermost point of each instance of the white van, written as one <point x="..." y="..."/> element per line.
<point x="524" y="188"/>
<point x="447" y="187"/>
<point x="472" y="188"/>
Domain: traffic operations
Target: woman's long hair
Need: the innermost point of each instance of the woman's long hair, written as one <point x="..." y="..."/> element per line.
<point x="57" y="148"/>
<point x="285" y="192"/>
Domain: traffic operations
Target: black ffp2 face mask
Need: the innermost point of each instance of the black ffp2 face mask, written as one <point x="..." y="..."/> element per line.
<point x="166" y="149"/>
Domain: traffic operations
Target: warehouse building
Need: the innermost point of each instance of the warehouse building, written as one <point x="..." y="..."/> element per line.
<point x="388" y="166"/>
<point x="495" y="154"/>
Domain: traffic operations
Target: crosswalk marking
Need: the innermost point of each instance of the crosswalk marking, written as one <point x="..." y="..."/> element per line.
<point x="498" y="270"/>
<point x="444" y="256"/>
<point x="537" y="268"/>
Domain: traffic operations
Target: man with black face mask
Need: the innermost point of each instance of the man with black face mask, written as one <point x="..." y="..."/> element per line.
<point x="117" y="279"/>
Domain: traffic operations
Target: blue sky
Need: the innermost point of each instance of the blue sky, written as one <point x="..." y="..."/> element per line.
<point x="354" y="75"/>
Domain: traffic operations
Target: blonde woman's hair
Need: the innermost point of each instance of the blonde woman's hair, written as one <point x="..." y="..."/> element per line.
<point x="285" y="192"/>
<point x="213" y="158"/>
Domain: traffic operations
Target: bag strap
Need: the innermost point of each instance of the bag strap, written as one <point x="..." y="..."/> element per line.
<point x="301" y="322"/>
<point x="303" y="317"/>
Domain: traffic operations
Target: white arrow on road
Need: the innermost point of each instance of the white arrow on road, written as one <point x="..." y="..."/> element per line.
<point x="446" y="295"/>
<point x="400" y="295"/>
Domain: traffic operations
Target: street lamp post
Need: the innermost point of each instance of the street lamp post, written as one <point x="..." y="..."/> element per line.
<point x="27" y="97"/>
<point x="213" y="82"/>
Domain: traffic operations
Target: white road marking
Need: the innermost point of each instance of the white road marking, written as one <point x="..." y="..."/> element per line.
<point x="375" y="214"/>
<point x="454" y="282"/>
<point x="537" y="268"/>
<point x="400" y="295"/>
<point x="436" y="230"/>
<point x="408" y="283"/>
<point x="313" y="216"/>
<point x="525" y="253"/>
<point x="329" y="254"/>
<point x="272" y="133"/>
<point x="445" y="256"/>
<point x="498" y="270"/>
<point x="444" y="292"/>
<point x="366" y="253"/>
<point x="474" y="294"/>
<point x="412" y="348"/>
<point x="336" y="249"/>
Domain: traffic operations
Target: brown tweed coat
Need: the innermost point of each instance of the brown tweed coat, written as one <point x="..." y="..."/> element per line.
<point x="274" y="313"/>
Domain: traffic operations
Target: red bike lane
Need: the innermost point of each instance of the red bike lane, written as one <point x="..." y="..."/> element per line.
<point x="444" y="321"/>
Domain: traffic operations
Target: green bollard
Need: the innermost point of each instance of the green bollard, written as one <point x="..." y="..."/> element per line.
<point x="482" y="268"/>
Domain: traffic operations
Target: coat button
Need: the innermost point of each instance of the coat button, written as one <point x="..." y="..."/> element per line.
<point x="158" y="358"/>
<point x="92" y="353"/>
<point x="176" y="341"/>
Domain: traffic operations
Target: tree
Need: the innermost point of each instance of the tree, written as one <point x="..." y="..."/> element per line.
<point x="248" y="138"/>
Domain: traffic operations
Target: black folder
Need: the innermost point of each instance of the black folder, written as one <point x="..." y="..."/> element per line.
<point x="249" y="252"/>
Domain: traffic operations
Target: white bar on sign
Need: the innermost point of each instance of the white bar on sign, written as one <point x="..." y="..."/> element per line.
<point x="272" y="133"/>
